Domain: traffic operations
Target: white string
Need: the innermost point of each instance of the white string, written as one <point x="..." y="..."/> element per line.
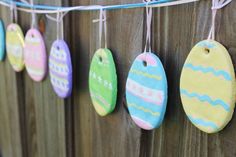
<point x="102" y="21"/>
<point x="173" y="3"/>
<point x="105" y="27"/>
<point x="216" y="4"/>
<point x="86" y="8"/>
<point x="60" y="24"/>
<point x="13" y="9"/>
<point x="149" y="22"/>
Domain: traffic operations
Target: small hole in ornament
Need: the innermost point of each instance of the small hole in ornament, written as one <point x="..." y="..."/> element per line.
<point x="207" y="51"/>
<point x="58" y="48"/>
<point x="144" y="63"/>
<point x="100" y="58"/>
<point x="32" y="35"/>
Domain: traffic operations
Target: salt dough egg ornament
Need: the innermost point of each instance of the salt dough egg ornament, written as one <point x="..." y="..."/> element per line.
<point x="15" y="46"/>
<point x="35" y="55"/>
<point x="207" y="86"/>
<point x="2" y="41"/>
<point x="146" y="91"/>
<point x="103" y="82"/>
<point x="60" y="69"/>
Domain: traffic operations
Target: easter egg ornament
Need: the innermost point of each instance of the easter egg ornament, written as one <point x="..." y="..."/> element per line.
<point x="35" y="53"/>
<point x="2" y="40"/>
<point x="15" y="46"/>
<point x="60" y="67"/>
<point x="102" y="77"/>
<point x="207" y="85"/>
<point x="103" y="82"/>
<point x="146" y="87"/>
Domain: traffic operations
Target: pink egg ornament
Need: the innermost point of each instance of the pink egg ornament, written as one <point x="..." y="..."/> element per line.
<point x="35" y="55"/>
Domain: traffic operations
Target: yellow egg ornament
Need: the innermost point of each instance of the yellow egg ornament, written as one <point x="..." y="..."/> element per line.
<point x="207" y="86"/>
<point x="15" y="46"/>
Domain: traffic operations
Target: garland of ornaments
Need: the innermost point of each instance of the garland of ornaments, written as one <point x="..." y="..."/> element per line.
<point x="207" y="68"/>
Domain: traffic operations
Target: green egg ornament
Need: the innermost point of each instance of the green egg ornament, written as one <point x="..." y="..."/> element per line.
<point x="103" y="82"/>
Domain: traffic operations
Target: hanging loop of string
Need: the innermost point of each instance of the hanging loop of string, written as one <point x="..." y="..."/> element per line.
<point x="102" y="21"/>
<point x="216" y="4"/>
<point x="60" y="26"/>
<point x="149" y="22"/>
<point x="33" y="14"/>
<point x="60" y="23"/>
<point x="13" y="12"/>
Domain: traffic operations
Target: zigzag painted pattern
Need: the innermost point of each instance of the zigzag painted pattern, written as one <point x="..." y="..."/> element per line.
<point x="209" y="70"/>
<point x="144" y="109"/>
<point x="204" y="123"/>
<point x="206" y="98"/>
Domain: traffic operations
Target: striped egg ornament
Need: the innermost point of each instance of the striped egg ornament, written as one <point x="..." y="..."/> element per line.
<point x="146" y="91"/>
<point x="35" y="55"/>
<point x="15" y="47"/>
<point x="207" y="86"/>
<point x="60" y="68"/>
<point x="103" y="82"/>
<point x="2" y="41"/>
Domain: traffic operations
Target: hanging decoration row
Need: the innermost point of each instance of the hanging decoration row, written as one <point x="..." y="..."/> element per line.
<point x="207" y="68"/>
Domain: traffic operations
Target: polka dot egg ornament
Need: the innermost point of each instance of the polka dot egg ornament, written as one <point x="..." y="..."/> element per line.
<point x="2" y="41"/>
<point x="207" y="86"/>
<point x="146" y="91"/>
<point x="103" y="82"/>
<point x="60" y="69"/>
<point x="35" y="55"/>
<point x="15" y="46"/>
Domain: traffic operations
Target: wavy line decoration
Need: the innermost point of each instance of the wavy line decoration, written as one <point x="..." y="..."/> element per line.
<point x="204" y="123"/>
<point x="206" y="98"/>
<point x="144" y="109"/>
<point x="209" y="70"/>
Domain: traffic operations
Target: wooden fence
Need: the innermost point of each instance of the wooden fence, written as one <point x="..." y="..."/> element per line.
<point x="34" y="122"/>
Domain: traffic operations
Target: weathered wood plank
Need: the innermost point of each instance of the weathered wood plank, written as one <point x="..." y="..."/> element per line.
<point x="114" y="135"/>
<point x="44" y="111"/>
<point x="175" y="36"/>
<point x="10" y="105"/>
